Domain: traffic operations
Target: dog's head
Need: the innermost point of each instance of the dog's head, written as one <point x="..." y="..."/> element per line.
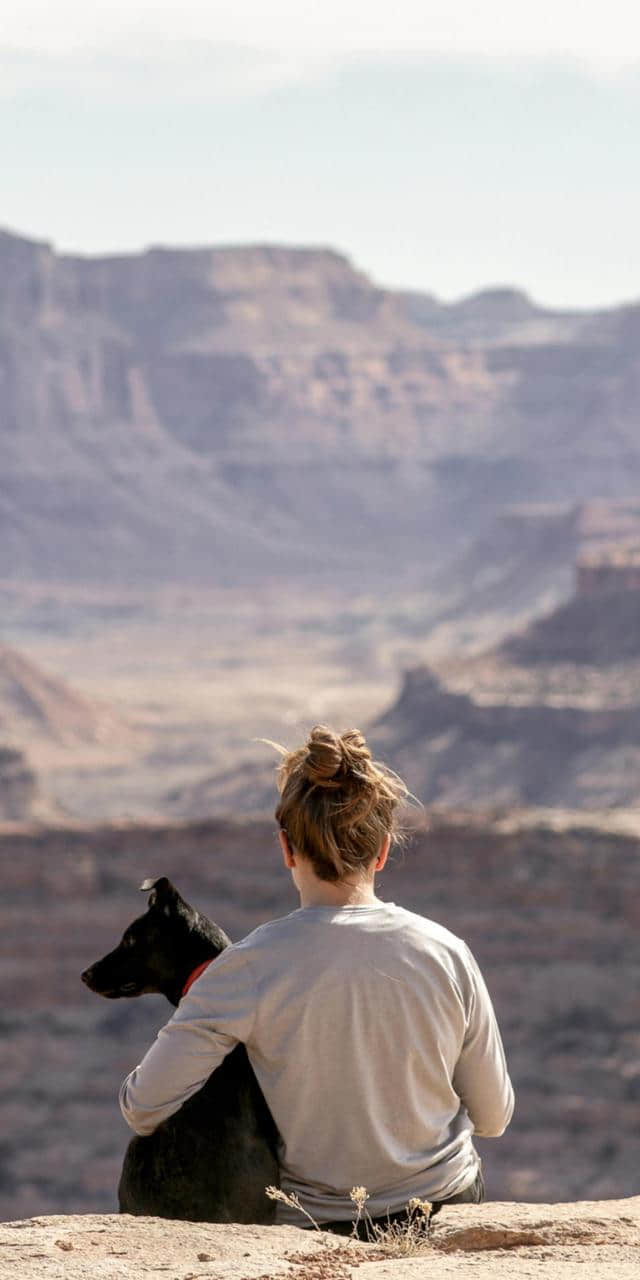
<point x="158" y="951"/>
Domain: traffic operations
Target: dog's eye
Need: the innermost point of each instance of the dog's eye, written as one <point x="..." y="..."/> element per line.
<point x="128" y="941"/>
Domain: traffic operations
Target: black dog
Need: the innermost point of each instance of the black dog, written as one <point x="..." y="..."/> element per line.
<point x="211" y="1161"/>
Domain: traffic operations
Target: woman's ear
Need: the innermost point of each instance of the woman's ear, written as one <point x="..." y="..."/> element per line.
<point x="384" y="852"/>
<point x="288" y="856"/>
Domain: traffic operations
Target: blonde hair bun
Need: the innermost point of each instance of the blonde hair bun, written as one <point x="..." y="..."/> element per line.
<point x="330" y="757"/>
<point x="337" y="804"/>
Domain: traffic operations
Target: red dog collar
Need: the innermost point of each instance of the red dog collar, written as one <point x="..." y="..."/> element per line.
<point x="196" y="974"/>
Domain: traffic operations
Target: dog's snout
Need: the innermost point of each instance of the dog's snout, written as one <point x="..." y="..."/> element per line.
<point x="87" y="976"/>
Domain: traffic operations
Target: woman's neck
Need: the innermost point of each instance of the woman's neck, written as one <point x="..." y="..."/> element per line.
<point x="336" y="893"/>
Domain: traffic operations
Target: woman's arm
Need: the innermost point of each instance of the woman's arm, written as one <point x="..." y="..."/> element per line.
<point x="217" y="1012"/>
<point x="481" y="1079"/>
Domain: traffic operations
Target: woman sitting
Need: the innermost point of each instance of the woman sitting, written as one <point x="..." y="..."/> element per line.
<point x="369" y="1028"/>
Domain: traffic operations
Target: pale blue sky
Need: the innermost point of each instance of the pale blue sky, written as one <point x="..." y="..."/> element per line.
<point x="440" y="157"/>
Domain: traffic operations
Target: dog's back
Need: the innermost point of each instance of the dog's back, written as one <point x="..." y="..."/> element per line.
<point x="211" y="1161"/>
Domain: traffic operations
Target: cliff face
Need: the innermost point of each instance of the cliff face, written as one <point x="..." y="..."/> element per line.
<point x="550" y="910"/>
<point x="453" y="749"/>
<point x="18" y="786"/>
<point x="549" y="717"/>
<point x="203" y="414"/>
<point x="597" y="628"/>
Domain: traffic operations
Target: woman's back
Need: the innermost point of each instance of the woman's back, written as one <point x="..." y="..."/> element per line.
<point x="369" y="1028"/>
<point x="355" y="1021"/>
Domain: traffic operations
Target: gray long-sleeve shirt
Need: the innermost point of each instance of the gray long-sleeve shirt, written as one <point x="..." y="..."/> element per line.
<point x="373" y="1038"/>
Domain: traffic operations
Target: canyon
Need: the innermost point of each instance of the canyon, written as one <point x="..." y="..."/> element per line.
<point x="234" y="415"/>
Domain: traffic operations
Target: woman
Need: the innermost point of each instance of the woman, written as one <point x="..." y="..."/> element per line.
<point x="369" y="1028"/>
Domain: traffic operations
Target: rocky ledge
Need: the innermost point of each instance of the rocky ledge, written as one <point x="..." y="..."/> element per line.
<point x="564" y="1241"/>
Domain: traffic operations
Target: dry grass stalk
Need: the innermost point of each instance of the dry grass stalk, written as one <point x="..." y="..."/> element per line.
<point x="396" y="1239"/>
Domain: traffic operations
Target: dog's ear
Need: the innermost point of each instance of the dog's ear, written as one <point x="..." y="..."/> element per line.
<point x="161" y="892"/>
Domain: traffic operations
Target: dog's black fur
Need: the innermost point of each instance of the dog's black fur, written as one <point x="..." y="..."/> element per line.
<point x="211" y="1161"/>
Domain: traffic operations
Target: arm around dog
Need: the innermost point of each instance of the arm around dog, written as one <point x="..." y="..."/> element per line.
<point x="481" y="1078"/>
<point x="216" y="1014"/>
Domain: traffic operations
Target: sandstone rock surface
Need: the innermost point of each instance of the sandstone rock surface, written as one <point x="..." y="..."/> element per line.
<point x="582" y="1241"/>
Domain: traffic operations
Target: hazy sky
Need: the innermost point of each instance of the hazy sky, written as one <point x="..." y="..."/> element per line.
<point x="443" y="146"/>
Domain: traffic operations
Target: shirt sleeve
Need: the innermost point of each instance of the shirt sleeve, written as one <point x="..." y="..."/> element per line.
<point x="481" y="1079"/>
<point x="215" y="1015"/>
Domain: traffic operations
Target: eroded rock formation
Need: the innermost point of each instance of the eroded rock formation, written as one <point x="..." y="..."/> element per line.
<point x="224" y="414"/>
<point x="18" y="786"/>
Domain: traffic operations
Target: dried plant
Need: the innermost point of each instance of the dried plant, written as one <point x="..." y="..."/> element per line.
<point x="275" y="1193"/>
<point x="396" y="1239"/>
